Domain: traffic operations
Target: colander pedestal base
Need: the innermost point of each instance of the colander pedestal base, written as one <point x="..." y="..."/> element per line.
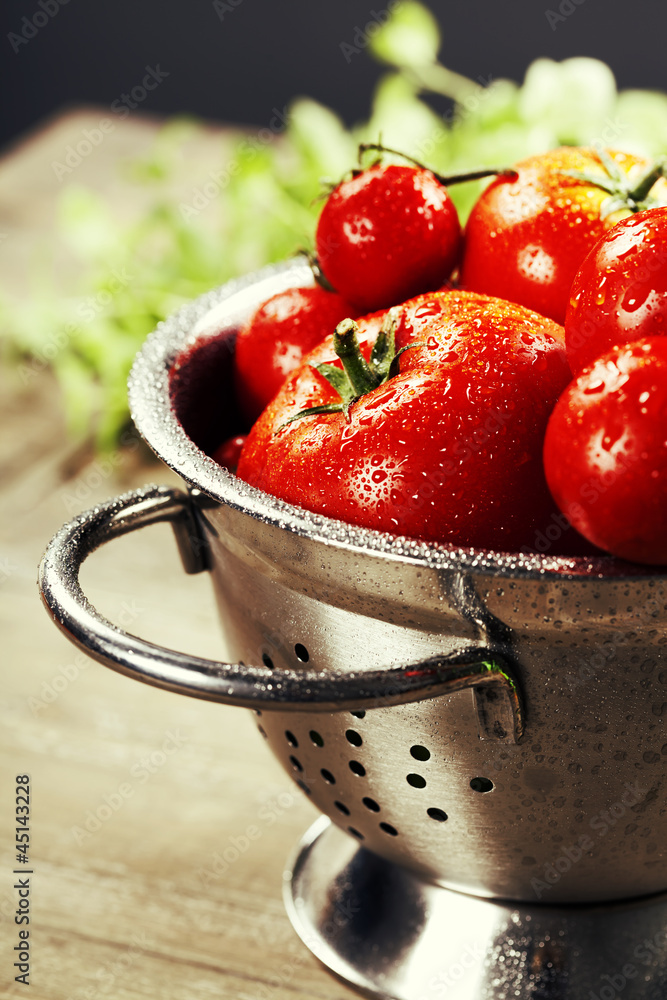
<point x="386" y="932"/>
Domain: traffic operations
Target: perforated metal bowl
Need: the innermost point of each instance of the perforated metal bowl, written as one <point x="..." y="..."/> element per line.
<point x="490" y="721"/>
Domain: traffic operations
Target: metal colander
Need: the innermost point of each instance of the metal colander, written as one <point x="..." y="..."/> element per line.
<point x="493" y="722"/>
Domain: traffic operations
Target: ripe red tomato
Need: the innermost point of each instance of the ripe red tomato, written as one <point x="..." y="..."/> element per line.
<point x="605" y="451"/>
<point x="387" y="234"/>
<point x="276" y="338"/>
<point x="526" y="239"/>
<point x="228" y="453"/>
<point x="449" y="449"/>
<point x="620" y="291"/>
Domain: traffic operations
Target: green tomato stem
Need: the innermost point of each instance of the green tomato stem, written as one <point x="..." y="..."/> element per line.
<point x="346" y="346"/>
<point x="357" y="377"/>
<point x="621" y="196"/>
<point x="470" y="175"/>
<point x="643" y="188"/>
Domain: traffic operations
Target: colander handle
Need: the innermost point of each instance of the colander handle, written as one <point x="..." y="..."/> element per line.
<point x="497" y="697"/>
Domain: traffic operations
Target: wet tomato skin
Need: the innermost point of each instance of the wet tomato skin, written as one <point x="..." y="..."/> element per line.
<point x="277" y="336"/>
<point x="526" y="239"/>
<point x="620" y="292"/>
<point x="448" y="450"/>
<point x="388" y="234"/>
<point x="605" y="452"/>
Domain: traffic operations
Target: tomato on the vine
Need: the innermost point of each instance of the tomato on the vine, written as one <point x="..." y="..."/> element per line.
<point x="620" y="291"/>
<point x="277" y="336"/>
<point x="526" y="239"/>
<point x="386" y="234"/>
<point x="433" y="429"/>
<point x="605" y="451"/>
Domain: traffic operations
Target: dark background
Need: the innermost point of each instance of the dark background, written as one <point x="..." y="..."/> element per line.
<point x="264" y="52"/>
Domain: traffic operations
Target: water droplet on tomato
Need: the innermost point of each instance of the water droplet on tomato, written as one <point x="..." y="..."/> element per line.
<point x="378" y="476"/>
<point x="594" y="387"/>
<point x="430" y="308"/>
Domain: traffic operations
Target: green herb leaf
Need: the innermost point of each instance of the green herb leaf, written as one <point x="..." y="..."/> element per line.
<point x="411" y="36"/>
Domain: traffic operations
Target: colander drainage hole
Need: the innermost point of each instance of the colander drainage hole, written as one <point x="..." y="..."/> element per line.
<point x="301" y="652"/>
<point x="353" y="737"/>
<point x="315" y="738"/>
<point x="267" y="661"/>
<point x="416" y="780"/>
<point x="357" y="768"/>
<point x="388" y="828"/>
<point x="342" y="808"/>
<point x="304" y="787"/>
<point x="296" y="764"/>
<point x="358" y="715"/>
<point x="328" y="776"/>
<point x="355" y="833"/>
<point x="481" y="785"/>
<point x="420" y="753"/>
<point x="371" y="804"/>
<point x="437" y="814"/>
<point x="261" y="729"/>
<point x="291" y="738"/>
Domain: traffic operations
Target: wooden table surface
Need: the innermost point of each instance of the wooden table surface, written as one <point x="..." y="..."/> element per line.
<point x="134" y="904"/>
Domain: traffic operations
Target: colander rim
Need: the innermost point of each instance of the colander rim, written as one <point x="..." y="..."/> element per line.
<point x="154" y="416"/>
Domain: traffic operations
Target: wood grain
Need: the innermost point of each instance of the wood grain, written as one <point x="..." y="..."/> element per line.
<point x="134" y="907"/>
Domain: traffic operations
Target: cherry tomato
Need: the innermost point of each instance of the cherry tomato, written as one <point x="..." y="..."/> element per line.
<point x="277" y="336"/>
<point x="620" y="291"/>
<point x="387" y="234"/>
<point x="526" y="239"/>
<point x="448" y="449"/>
<point x="605" y="451"/>
<point x="228" y="453"/>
